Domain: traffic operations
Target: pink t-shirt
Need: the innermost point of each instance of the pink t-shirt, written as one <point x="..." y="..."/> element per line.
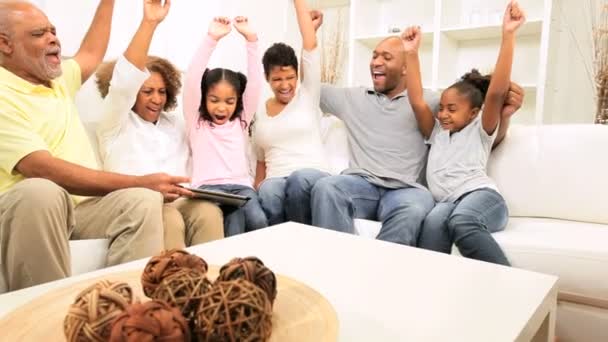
<point x="219" y="152"/>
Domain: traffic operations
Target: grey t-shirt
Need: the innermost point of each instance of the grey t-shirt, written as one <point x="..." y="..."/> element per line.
<point x="386" y="146"/>
<point x="457" y="162"/>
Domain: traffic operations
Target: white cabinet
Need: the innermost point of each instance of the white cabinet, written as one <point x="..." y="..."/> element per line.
<point x="459" y="35"/>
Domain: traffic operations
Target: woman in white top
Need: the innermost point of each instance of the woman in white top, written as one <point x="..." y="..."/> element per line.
<point x="137" y="136"/>
<point x="287" y="128"/>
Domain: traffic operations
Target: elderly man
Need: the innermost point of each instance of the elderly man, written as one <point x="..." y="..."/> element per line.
<point x="47" y="163"/>
<point x="387" y="152"/>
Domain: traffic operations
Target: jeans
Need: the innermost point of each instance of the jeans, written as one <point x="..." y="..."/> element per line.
<point x="338" y="200"/>
<point x="288" y="198"/>
<point x="246" y="218"/>
<point x="468" y="223"/>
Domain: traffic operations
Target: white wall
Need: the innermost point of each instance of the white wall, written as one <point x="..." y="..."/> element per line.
<point x="178" y="36"/>
<point x="570" y="96"/>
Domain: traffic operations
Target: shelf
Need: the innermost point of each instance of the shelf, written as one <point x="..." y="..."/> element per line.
<point x="528" y="87"/>
<point x="324" y="4"/>
<point x="532" y="27"/>
<point x="373" y="40"/>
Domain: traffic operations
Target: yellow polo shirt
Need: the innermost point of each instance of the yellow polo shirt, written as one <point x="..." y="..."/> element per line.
<point x="38" y="118"/>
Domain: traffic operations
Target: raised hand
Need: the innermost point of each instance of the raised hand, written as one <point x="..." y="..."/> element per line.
<point x="219" y="28"/>
<point x="241" y="24"/>
<point x="317" y="19"/>
<point x="155" y="10"/>
<point x="514" y="17"/>
<point x="411" y="38"/>
<point x="167" y="185"/>
<point x="513" y="101"/>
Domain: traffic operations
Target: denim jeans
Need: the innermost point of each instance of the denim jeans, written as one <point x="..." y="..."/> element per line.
<point x="246" y="218"/>
<point x="468" y="223"/>
<point x="288" y="198"/>
<point x="338" y="200"/>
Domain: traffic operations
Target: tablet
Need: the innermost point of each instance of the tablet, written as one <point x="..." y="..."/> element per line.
<point x="219" y="197"/>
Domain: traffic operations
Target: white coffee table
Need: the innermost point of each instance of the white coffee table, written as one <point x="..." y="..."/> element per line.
<point x="383" y="291"/>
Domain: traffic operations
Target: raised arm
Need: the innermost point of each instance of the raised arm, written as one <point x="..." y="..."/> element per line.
<point x="252" y="94"/>
<point x="95" y="43"/>
<point x="219" y="28"/>
<point x="154" y="13"/>
<point x="501" y="78"/>
<point x="128" y="74"/>
<point x="305" y="22"/>
<point x="513" y="102"/>
<point x="424" y="115"/>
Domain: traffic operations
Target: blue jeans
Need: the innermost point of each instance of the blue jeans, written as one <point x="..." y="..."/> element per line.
<point x="288" y="198"/>
<point x="246" y="218"/>
<point x="468" y="223"/>
<point x="338" y="200"/>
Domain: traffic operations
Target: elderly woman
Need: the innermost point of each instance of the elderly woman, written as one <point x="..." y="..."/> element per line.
<point x="138" y="136"/>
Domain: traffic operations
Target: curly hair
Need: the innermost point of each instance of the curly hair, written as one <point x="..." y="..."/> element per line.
<point x="212" y="77"/>
<point x="281" y="55"/>
<point x="170" y="74"/>
<point x="474" y="86"/>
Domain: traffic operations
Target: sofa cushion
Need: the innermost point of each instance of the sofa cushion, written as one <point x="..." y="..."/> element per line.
<point x="555" y="171"/>
<point x="575" y="252"/>
<point x="87" y="255"/>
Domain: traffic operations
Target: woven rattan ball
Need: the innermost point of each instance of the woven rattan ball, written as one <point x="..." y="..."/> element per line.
<point x="167" y="263"/>
<point x="150" y="321"/>
<point x="253" y="270"/>
<point x="235" y="310"/>
<point x="90" y="317"/>
<point x="183" y="290"/>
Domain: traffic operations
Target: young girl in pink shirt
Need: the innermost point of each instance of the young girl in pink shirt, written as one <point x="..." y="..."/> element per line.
<point x="218" y="107"/>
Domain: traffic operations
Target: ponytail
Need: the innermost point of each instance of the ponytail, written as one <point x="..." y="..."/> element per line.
<point x="474" y="86"/>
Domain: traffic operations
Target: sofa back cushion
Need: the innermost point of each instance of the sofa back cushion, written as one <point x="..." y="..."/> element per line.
<point x="554" y="171"/>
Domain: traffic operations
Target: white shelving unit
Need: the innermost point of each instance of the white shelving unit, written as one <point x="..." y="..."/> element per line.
<point x="458" y="35"/>
<point x="552" y="55"/>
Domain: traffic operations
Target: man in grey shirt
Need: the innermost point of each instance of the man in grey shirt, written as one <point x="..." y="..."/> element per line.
<point x="387" y="152"/>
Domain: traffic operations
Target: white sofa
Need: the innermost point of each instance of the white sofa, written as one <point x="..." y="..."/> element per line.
<point x="554" y="179"/>
<point x="555" y="182"/>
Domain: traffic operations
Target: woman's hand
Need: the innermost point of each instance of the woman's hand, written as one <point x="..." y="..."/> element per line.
<point x="156" y="11"/>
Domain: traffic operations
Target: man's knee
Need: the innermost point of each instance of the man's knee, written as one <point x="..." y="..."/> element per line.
<point x="144" y="207"/>
<point x="40" y="194"/>
<point x="411" y="211"/>
<point x="141" y="201"/>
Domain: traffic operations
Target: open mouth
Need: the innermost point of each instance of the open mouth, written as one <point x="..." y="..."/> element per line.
<point x="53" y="57"/>
<point x="285" y="93"/>
<point x="378" y="76"/>
<point x="220" y="117"/>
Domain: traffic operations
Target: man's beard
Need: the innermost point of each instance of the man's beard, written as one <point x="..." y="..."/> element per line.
<point x="38" y="66"/>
